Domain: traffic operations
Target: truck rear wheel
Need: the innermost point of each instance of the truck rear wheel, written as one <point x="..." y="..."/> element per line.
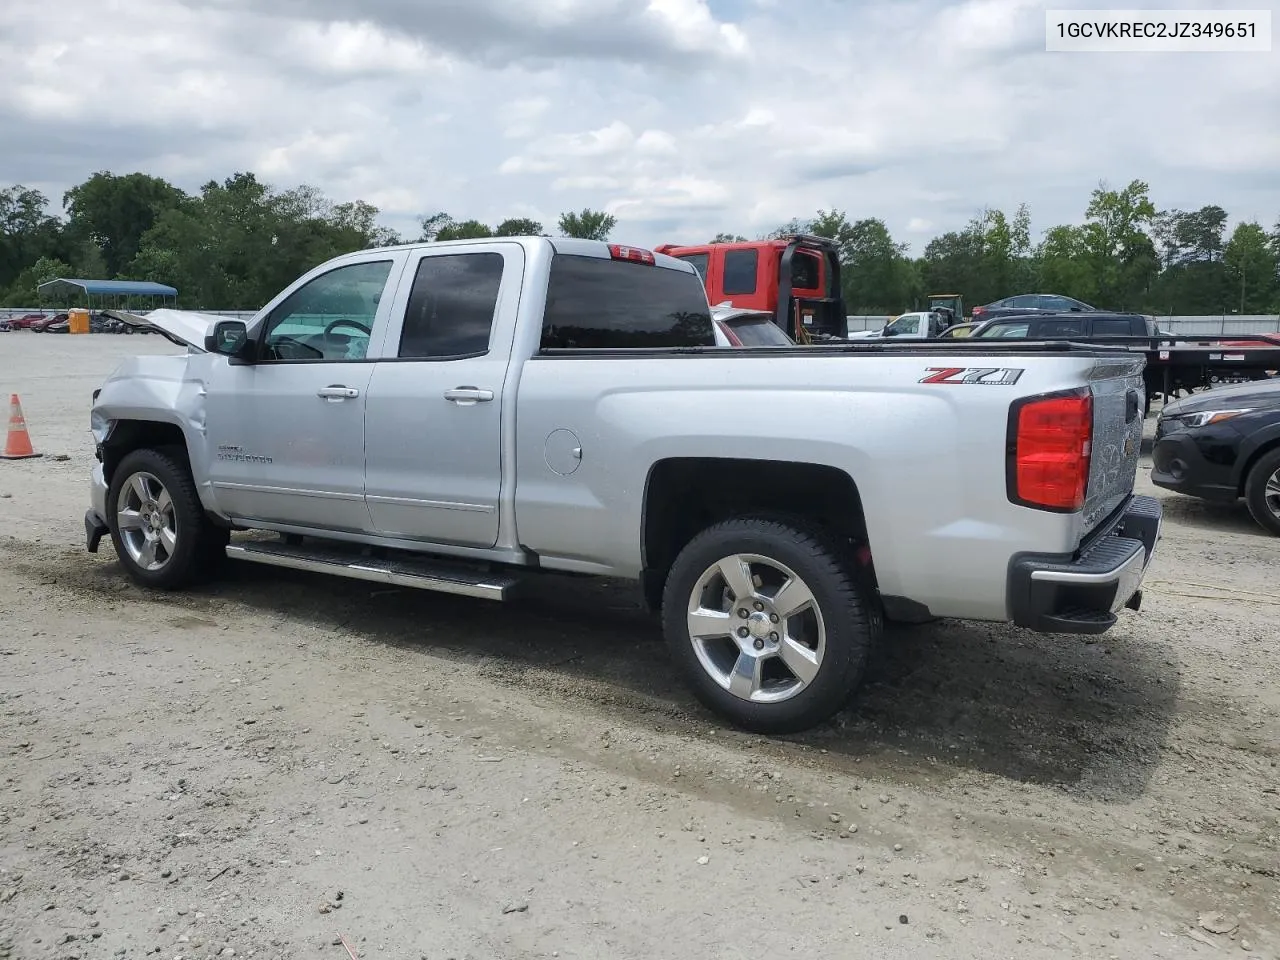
<point x="157" y="523"/>
<point x="769" y="623"/>
<point x="1262" y="491"/>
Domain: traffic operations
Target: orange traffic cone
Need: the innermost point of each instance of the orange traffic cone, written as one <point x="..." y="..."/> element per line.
<point x="17" y="446"/>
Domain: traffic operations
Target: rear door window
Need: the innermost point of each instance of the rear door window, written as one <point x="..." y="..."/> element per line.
<point x="1116" y="327"/>
<point x="740" y="268"/>
<point x="451" y="306"/>
<point x="595" y="303"/>
<point x="1059" y="329"/>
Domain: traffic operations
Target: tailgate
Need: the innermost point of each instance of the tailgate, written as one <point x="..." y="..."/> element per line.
<point x="1119" y="397"/>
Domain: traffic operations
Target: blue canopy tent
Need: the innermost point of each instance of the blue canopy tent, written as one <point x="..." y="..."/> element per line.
<point x="120" y="293"/>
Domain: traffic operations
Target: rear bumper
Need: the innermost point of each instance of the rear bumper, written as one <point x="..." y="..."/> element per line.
<point x="1083" y="594"/>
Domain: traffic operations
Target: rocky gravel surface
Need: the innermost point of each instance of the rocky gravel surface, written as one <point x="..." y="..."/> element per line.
<point x="281" y="765"/>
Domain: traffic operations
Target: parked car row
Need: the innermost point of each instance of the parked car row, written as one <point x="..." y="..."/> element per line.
<point x="99" y="322"/>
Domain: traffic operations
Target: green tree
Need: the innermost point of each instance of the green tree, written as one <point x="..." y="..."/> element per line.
<point x="1117" y="248"/>
<point x="466" y="230"/>
<point x="27" y="231"/>
<point x="791" y="227"/>
<point x="518" y="227"/>
<point x="361" y="220"/>
<point x="990" y="258"/>
<point x="728" y="238"/>
<point x="587" y="225"/>
<point x="1061" y="264"/>
<point x="875" y="274"/>
<point x="240" y="242"/>
<point x="1250" y="263"/>
<point x="432" y="224"/>
<point x="952" y="263"/>
<point x="115" y="211"/>
<point x="24" y="290"/>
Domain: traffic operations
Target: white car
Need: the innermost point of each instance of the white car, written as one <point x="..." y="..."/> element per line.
<point x="919" y="325"/>
<point x="743" y="327"/>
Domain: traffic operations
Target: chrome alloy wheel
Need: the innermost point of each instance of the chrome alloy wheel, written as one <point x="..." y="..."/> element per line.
<point x="1271" y="494"/>
<point x="146" y="520"/>
<point x="756" y="628"/>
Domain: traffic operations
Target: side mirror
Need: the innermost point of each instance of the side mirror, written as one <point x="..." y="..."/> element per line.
<point x="229" y="338"/>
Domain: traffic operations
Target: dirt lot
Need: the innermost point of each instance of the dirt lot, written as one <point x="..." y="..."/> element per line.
<point x="274" y="764"/>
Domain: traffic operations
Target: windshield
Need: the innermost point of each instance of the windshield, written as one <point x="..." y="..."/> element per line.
<point x="903" y="325"/>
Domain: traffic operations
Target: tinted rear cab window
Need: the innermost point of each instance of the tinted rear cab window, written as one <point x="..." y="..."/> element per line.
<point x="594" y="303"/>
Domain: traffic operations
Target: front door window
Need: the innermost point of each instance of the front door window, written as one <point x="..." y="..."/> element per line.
<point x="329" y="318"/>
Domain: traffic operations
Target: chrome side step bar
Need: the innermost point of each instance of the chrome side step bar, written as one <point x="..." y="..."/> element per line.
<point x="404" y="571"/>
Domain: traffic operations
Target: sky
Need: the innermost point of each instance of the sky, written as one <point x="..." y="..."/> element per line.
<point x="683" y="118"/>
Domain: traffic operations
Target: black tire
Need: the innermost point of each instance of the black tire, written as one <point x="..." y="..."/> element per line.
<point x="848" y="609"/>
<point x="197" y="542"/>
<point x="1255" y="491"/>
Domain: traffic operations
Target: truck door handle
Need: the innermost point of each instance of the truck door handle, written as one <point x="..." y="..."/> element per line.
<point x="336" y="391"/>
<point x="468" y="395"/>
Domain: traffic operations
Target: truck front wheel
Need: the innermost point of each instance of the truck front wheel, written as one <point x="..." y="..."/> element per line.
<point x="769" y="623"/>
<point x="157" y="523"/>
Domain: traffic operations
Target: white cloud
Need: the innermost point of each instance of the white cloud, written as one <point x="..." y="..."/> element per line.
<point x="683" y="117"/>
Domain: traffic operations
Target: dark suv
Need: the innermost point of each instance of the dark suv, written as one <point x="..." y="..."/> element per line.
<point x="1067" y="326"/>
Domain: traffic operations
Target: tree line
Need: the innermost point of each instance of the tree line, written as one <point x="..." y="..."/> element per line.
<point x="234" y="244"/>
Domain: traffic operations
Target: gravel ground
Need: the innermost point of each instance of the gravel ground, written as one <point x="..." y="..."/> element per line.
<point x="281" y="762"/>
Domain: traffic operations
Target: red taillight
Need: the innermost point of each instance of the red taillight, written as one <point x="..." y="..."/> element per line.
<point x="1049" y="451"/>
<point x="635" y="254"/>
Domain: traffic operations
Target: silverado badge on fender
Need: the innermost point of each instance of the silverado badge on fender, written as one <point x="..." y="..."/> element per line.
<point x="987" y="376"/>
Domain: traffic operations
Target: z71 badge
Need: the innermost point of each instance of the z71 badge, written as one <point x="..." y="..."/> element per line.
<point x="987" y="376"/>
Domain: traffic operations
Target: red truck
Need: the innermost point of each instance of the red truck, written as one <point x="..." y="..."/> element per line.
<point x="794" y="278"/>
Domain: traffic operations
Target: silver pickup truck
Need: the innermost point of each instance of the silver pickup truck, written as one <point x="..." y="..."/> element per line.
<point x="452" y="416"/>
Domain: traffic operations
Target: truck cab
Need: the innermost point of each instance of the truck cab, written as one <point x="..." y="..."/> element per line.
<point x="794" y="278"/>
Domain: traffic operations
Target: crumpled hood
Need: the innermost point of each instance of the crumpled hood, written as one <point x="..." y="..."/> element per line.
<point x="184" y="327"/>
